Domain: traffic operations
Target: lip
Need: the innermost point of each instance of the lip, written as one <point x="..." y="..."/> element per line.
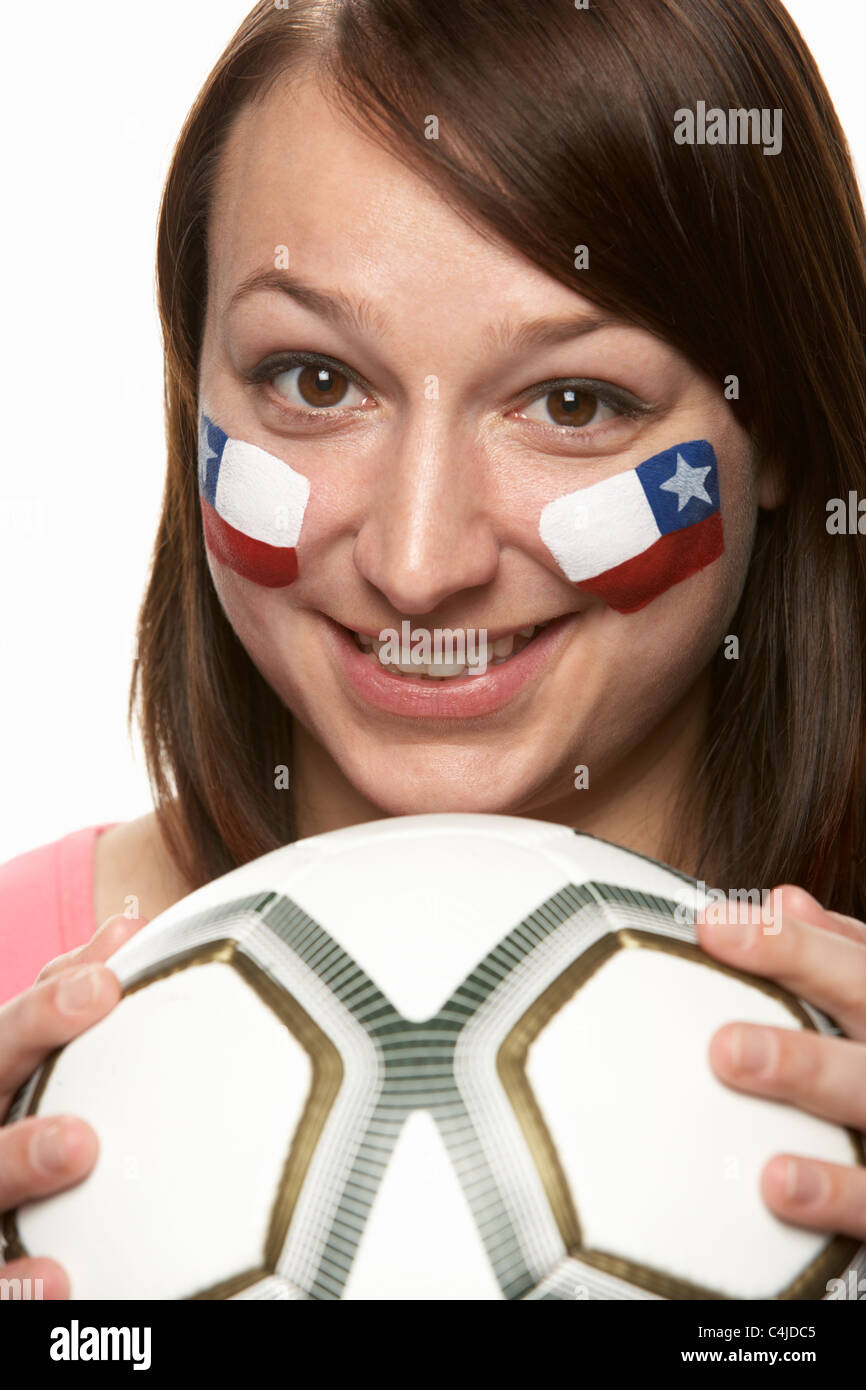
<point x="465" y="697"/>
<point x="492" y="635"/>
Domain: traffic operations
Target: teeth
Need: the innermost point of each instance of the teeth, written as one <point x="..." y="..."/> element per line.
<point x="496" y="653"/>
<point x="443" y="670"/>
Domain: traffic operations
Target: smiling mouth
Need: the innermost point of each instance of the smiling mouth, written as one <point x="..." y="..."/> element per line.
<point x="484" y="654"/>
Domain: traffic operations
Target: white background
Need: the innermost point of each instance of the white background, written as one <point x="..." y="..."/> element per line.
<point x="92" y="100"/>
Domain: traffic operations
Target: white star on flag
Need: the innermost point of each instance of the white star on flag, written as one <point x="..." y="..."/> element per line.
<point x="687" y="482"/>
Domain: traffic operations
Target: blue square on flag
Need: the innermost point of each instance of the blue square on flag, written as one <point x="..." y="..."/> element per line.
<point x="681" y="485"/>
<point x="211" y="443"/>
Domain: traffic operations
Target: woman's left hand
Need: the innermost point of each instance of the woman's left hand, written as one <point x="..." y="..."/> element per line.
<point x="820" y="956"/>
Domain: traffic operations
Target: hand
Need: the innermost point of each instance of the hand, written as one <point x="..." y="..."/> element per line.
<point x="45" y="1154"/>
<point x="820" y="956"/>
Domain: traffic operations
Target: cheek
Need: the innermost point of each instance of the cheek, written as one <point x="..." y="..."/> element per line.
<point x="630" y="538"/>
<point x="252" y="507"/>
<point x="271" y="631"/>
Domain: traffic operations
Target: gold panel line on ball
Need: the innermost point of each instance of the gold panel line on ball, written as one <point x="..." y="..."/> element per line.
<point x="511" y="1066"/>
<point x="327" y="1078"/>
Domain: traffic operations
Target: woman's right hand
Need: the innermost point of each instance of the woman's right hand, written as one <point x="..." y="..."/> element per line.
<point x="47" y="1153"/>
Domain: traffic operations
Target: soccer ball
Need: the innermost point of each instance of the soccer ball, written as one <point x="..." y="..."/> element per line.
<point x="432" y="1057"/>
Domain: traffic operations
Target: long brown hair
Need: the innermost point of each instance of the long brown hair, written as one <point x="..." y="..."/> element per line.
<point x="556" y="130"/>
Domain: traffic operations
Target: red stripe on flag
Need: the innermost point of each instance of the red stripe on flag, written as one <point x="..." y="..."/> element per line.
<point x="272" y="566"/>
<point x="676" y="556"/>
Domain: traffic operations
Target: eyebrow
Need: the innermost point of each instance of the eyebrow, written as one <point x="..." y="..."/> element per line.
<point x="520" y="337"/>
<point x="364" y="317"/>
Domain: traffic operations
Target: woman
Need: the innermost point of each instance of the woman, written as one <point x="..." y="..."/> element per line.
<point x="426" y="276"/>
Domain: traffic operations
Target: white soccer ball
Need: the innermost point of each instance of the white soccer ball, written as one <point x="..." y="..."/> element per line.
<point x="435" y="1057"/>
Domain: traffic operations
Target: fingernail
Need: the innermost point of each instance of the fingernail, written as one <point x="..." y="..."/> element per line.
<point x="804" y="1182"/>
<point x="76" y="992"/>
<point x="49" y="1151"/>
<point x="750" y="1049"/>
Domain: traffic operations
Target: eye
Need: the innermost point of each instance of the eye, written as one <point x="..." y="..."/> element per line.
<point x="317" y="385"/>
<point x="574" y="407"/>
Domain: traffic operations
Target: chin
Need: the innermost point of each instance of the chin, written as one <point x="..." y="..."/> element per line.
<point x="454" y="780"/>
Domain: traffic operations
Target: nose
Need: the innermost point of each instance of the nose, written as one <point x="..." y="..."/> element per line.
<point x="426" y="534"/>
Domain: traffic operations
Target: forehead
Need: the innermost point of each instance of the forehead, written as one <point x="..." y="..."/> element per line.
<point x="297" y="172"/>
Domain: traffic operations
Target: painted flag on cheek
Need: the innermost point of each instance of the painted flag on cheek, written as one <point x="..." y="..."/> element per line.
<point x="252" y="507"/>
<point x="630" y="537"/>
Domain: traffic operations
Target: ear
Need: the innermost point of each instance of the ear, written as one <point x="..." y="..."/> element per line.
<point x="772" y="483"/>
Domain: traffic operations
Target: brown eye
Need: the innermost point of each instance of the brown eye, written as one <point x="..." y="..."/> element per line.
<point x="570" y="407"/>
<point x="321" y="386"/>
<point x="315" y="384"/>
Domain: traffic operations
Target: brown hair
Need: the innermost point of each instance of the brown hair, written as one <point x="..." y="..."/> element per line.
<point x="556" y="130"/>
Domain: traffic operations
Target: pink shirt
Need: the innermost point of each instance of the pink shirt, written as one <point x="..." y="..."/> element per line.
<point x="46" y="907"/>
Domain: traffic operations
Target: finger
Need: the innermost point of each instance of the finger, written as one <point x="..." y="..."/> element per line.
<point x="35" y="1278"/>
<point x="847" y="926"/>
<point x="47" y="1016"/>
<point x="822" y="1196"/>
<point x="786" y="900"/>
<point x="825" y="1076"/>
<point x="793" y="901"/>
<point x="822" y="966"/>
<point x="104" y="942"/>
<point x="44" y="1154"/>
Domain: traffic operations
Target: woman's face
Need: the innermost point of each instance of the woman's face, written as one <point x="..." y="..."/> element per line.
<point x="431" y="450"/>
